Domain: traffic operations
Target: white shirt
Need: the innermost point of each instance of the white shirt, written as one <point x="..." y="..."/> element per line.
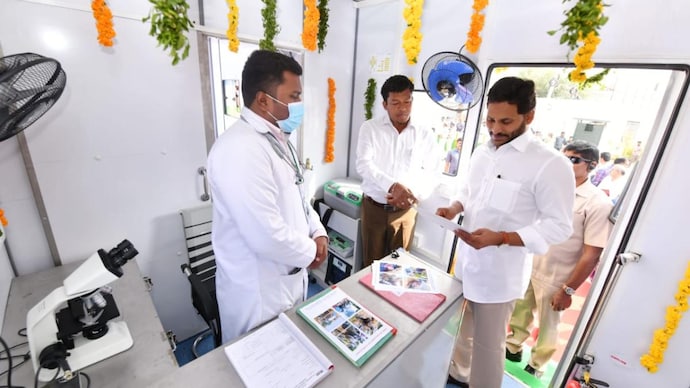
<point x="591" y="226"/>
<point x="385" y="156"/>
<point x="525" y="186"/>
<point x="260" y="231"/>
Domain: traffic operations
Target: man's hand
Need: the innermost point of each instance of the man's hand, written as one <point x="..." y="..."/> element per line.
<point x="451" y="211"/>
<point x="321" y="251"/>
<point x="446" y="212"/>
<point x="480" y="238"/>
<point x="400" y="196"/>
<point x="560" y="301"/>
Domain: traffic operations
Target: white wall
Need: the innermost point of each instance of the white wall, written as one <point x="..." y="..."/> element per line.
<point x="117" y="155"/>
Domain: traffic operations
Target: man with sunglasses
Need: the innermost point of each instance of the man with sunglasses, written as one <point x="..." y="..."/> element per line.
<point x="557" y="274"/>
<point x="264" y="235"/>
<point x="517" y="200"/>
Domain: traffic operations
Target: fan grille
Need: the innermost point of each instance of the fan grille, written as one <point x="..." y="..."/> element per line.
<point x="29" y="85"/>
<point x="452" y="81"/>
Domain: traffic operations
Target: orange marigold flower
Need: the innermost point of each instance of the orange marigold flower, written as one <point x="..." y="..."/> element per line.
<point x="330" y="123"/>
<point x="104" y="22"/>
<point x="311" y="25"/>
<point x="474" y="39"/>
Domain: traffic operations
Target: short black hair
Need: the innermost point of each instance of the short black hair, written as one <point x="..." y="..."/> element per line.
<point x="620" y="160"/>
<point x="263" y="71"/>
<point x="605" y="156"/>
<point x="397" y="83"/>
<point x="514" y="91"/>
<point x="584" y="149"/>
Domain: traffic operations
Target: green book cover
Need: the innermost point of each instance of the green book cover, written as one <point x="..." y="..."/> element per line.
<point x="353" y="330"/>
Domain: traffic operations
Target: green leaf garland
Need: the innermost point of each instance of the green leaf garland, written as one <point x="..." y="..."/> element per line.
<point x="169" y="22"/>
<point x="323" y="24"/>
<point x="369" y="98"/>
<point x="271" y="28"/>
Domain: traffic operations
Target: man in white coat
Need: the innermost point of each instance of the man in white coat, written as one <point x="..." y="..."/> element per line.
<point x="264" y="234"/>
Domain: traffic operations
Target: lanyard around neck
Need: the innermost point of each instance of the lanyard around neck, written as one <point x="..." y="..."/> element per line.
<point x="292" y="160"/>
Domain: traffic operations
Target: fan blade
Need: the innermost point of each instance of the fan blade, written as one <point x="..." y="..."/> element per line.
<point x="10" y="95"/>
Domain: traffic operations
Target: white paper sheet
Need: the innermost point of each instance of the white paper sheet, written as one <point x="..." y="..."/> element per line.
<point x="278" y="354"/>
<point x="440" y="221"/>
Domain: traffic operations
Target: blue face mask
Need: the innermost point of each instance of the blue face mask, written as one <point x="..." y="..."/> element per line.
<point x="294" y="119"/>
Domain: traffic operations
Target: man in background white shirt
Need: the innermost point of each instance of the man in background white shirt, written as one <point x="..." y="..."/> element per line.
<point x="557" y="274"/>
<point x="517" y="200"/>
<point x="398" y="162"/>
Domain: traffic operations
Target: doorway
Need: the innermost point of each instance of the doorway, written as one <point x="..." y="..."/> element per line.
<point x="628" y="115"/>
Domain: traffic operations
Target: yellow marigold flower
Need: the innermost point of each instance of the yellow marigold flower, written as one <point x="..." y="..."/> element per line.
<point x="233" y="22"/>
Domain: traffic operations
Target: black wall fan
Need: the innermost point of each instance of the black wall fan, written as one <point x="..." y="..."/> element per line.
<point x="452" y="80"/>
<point x="29" y="85"/>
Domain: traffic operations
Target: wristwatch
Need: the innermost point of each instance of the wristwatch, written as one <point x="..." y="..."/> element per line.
<point x="568" y="290"/>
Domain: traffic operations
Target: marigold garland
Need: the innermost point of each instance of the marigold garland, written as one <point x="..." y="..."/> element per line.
<point x="104" y="22"/>
<point x="3" y="220"/>
<point x="583" y="57"/>
<point x="474" y="40"/>
<point x="412" y="37"/>
<point x="581" y="30"/>
<point x="655" y="355"/>
<point x="330" y="123"/>
<point x="233" y="22"/>
<point x="311" y="25"/>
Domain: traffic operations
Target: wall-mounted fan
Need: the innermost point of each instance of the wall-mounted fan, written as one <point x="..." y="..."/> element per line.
<point x="452" y="80"/>
<point x="29" y="85"/>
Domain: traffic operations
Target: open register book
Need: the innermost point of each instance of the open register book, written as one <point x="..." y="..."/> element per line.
<point x="278" y="354"/>
<point x="354" y="331"/>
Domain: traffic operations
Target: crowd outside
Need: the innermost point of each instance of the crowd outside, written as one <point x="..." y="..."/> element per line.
<point x="517" y="199"/>
<point x="560" y="142"/>
<point x="603" y="169"/>
<point x="614" y="183"/>
<point x="557" y="274"/>
<point x="453" y="158"/>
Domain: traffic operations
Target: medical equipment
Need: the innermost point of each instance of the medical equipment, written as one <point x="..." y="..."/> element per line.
<point x="71" y="328"/>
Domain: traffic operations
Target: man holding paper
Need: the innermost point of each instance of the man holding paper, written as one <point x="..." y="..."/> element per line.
<point x="517" y="201"/>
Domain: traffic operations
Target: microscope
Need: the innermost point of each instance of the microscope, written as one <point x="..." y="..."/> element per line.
<point x="71" y="328"/>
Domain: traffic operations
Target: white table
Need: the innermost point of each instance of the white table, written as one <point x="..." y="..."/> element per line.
<point x="417" y="356"/>
<point x="148" y="360"/>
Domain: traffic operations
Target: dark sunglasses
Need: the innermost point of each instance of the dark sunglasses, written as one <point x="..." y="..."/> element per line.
<point x="577" y="159"/>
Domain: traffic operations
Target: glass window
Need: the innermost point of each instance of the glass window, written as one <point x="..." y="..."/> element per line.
<point x="447" y="125"/>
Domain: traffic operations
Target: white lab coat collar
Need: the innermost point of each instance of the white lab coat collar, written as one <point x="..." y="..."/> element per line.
<point x="262" y="125"/>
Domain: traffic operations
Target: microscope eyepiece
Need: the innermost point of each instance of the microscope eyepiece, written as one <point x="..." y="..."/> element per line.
<point x="118" y="256"/>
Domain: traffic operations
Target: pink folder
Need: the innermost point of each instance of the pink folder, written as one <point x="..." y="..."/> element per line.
<point x="418" y="305"/>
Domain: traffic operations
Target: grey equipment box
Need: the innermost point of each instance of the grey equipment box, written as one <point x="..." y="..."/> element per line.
<point x="344" y="195"/>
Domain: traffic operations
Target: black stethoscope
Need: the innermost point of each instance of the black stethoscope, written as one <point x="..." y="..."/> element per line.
<point x="291" y="159"/>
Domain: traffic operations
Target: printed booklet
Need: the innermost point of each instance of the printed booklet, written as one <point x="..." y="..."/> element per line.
<point x="392" y="275"/>
<point x="278" y="354"/>
<point x="354" y="331"/>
